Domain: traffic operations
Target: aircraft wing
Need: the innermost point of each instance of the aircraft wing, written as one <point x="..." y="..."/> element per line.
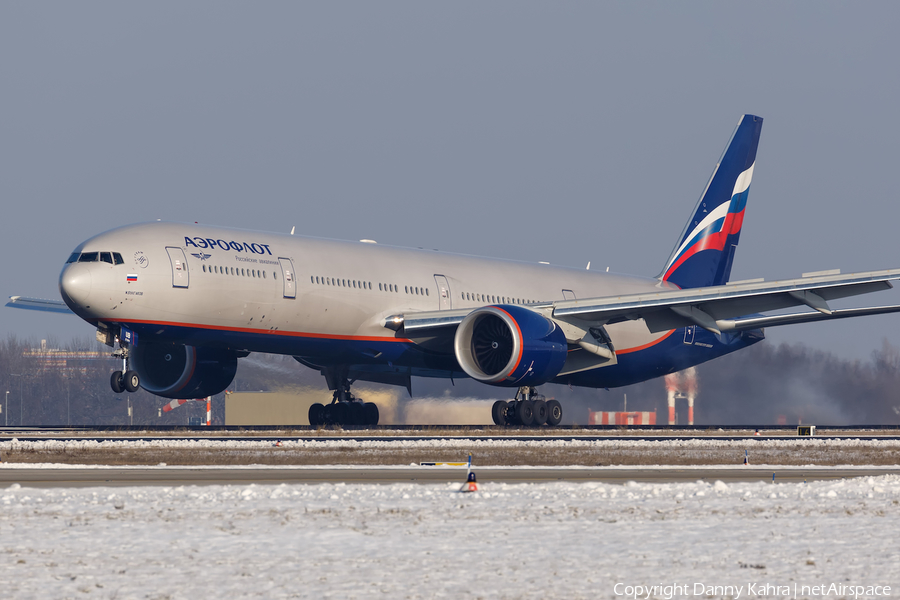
<point x="716" y="308"/>
<point x="57" y="306"/>
<point x="731" y="307"/>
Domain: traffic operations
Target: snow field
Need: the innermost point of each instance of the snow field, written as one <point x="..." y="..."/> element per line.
<point x="557" y="540"/>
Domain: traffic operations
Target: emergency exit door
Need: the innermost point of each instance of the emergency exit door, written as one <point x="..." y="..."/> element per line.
<point x="180" y="276"/>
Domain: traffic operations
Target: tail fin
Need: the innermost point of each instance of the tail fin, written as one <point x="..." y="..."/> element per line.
<point x="705" y="250"/>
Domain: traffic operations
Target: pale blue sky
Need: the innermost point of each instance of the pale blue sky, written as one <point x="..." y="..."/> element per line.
<point x="565" y="132"/>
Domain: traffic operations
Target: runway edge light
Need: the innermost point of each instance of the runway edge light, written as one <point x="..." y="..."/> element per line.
<point x="471" y="485"/>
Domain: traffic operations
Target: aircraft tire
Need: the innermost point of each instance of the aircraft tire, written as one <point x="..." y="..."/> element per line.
<point x="131" y="381"/>
<point x="370" y="414"/>
<point x="498" y="412"/>
<point x="116" y="383"/>
<point x="316" y="415"/>
<point x="525" y="413"/>
<point x="340" y="413"/>
<point x="554" y="413"/>
<point x="540" y="412"/>
<point x="356" y="413"/>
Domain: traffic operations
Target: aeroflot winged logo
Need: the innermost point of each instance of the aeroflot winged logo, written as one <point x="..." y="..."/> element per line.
<point x="211" y="243"/>
<point x="201" y="255"/>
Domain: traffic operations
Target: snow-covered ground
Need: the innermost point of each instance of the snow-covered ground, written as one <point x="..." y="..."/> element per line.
<point x="558" y="540"/>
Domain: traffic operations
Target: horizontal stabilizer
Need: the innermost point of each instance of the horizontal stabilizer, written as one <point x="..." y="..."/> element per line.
<point x="57" y="306"/>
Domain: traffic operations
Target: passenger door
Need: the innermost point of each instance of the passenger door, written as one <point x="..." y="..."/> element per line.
<point x="181" y="278"/>
<point x="445" y="299"/>
<point x="289" y="277"/>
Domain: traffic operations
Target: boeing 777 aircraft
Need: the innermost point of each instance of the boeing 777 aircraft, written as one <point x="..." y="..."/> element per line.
<point x="183" y="302"/>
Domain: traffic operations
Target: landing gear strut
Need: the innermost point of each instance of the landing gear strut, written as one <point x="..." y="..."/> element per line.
<point x="124" y="380"/>
<point x="344" y="408"/>
<point x="528" y="408"/>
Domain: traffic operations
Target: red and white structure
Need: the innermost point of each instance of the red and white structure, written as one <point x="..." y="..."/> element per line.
<point x="682" y="385"/>
<point x="601" y="417"/>
<point x="176" y="403"/>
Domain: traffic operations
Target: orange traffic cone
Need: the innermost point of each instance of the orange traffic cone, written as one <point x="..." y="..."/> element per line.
<point x="471" y="485"/>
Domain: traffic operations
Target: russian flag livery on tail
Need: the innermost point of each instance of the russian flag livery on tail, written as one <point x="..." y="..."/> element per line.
<point x="705" y="250"/>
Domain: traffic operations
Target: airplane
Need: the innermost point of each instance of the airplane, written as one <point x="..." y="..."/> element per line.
<point x="181" y="303"/>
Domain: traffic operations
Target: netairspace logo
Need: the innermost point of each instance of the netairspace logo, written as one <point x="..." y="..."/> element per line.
<point x="749" y="590"/>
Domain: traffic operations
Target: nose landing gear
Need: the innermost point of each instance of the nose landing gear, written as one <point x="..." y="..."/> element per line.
<point x="125" y="380"/>
<point x="528" y="408"/>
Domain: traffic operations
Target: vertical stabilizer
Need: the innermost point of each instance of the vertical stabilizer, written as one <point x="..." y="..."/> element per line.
<point x="705" y="250"/>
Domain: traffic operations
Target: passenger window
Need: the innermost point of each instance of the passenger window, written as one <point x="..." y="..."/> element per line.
<point x="117" y="258"/>
<point x="204" y="268"/>
<point x="426" y="291"/>
<point x="73" y="257"/>
<point x="88" y="257"/>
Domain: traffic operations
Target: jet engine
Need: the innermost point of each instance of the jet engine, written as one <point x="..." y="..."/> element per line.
<point x="510" y="346"/>
<point x="185" y="372"/>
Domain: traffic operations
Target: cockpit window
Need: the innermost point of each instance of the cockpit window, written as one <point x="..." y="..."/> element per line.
<point x="113" y="258"/>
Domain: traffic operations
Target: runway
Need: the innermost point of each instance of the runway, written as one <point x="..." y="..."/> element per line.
<point x="58" y="477"/>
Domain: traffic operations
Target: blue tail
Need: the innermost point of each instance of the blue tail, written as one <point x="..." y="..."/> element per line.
<point x="705" y="250"/>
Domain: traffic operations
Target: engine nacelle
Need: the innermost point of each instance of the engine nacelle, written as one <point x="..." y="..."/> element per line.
<point x="509" y="346"/>
<point x="185" y="372"/>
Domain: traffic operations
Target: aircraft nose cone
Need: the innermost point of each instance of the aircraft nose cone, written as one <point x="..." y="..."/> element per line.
<point x="75" y="285"/>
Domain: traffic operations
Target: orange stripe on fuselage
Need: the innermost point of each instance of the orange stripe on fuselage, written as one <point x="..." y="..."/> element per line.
<point x="645" y="346"/>
<point x="327" y="336"/>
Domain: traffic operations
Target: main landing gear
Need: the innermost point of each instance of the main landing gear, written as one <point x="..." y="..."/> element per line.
<point x="528" y="408"/>
<point x="344" y="408"/>
<point x="124" y="380"/>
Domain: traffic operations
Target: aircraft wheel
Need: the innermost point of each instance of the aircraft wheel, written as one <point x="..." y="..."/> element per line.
<point x="131" y="381"/>
<point x="525" y="412"/>
<point x="540" y="412"/>
<point x="340" y="413"/>
<point x="554" y="413"/>
<point x="498" y="412"/>
<point x="116" y="382"/>
<point x="370" y="413"/>
<point x="316" y="415"/>
<point x="356" y="412"/>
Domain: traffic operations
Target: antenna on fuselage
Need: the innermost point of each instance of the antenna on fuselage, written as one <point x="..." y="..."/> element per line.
<point x="292" y="229"/>
<point x="588" y="268"/>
